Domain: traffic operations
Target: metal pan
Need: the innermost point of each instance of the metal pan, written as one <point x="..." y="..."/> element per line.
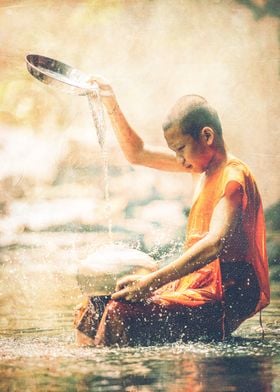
<point x="59" y="75"/>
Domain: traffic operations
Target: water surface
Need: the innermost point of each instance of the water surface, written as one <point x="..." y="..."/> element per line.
<point x="38" y="294"/>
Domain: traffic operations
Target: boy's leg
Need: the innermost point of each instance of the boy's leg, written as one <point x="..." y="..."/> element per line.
<point x="87" y="318"/>
<point x="241" y="291"/>
<point x="82" y="340"/>
<point x="125" y="323"/>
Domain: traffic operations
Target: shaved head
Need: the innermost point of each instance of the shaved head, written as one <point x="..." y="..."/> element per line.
<point x="192" y="113"/>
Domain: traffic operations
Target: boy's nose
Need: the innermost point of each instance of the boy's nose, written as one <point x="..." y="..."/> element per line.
<point x="180" y="158"/>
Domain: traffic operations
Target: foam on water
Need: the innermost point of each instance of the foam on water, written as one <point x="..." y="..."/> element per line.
<point x="54" y="344"/>
<point x="199" y="366"/>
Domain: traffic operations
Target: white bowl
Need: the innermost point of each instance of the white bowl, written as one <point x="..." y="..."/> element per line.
<point x="99" y="272"/>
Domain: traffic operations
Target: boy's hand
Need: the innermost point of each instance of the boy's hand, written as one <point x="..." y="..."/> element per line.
<point x="133" y="288"/>
<point x="103" y="84"/>
<point x="127" y="280"/>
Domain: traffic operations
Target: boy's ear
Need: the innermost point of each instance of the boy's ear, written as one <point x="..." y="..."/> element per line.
<point x="208" y="135"/>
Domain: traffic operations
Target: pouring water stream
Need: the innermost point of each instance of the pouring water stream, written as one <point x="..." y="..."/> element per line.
<point x="73" y="81"/>
<point x="98" y="116"/>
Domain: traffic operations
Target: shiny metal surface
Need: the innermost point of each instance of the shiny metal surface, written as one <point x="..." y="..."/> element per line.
<point x="59" y="75"/>
<point x="99" y="272"/>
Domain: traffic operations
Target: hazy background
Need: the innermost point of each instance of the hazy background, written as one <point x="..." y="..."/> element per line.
<point x="153" y="52"/>
<point x="52" y="212"/>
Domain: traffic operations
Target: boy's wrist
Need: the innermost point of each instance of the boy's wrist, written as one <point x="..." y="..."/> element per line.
<point x="164" y="276"/>
<point x="111" y="104"/>
<point x="113" y="109"/>
<point x="155" y="281"/>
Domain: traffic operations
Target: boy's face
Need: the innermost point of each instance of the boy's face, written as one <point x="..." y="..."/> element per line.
<point x="194" y="155"/>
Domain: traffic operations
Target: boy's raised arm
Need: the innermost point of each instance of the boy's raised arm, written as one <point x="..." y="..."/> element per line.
<point x="131" y="144"/>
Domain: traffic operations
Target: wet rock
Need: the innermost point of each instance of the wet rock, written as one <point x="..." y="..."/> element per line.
<point x="272" y="217"/>
<point x="11" y="188"/>
<point x="27" y="155"/>
<point x="161" y="212"/>
<point x="161" y="225"/>
<point x="273" y="251"/>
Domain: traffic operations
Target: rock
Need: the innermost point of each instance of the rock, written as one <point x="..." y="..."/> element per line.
<point x="273" y="251"/>
<point x="272" y="215"/>
<point x="165" y="212"/>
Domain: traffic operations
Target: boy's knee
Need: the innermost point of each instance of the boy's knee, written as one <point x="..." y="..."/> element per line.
<point x="80" y="310"/>
<point x="83" y="340"/>
<point x="121" y="311"/>
<point x="115" y="308"/>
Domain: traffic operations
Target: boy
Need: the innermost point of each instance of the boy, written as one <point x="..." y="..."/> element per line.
<point x="221" y="279"/>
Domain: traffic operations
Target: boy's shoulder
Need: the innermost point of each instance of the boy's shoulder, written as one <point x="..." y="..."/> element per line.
<point x="238" y="171"/>
<point x="235" y="164"/>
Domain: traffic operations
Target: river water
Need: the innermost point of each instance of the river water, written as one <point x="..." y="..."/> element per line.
<point x="38" y="294"/>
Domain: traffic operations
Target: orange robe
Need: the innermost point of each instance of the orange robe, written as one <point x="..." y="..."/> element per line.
<point x="247" y="244"/>
<point x="198" y="304"/>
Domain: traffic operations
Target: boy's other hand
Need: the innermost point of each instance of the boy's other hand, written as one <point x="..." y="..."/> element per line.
<point x="127" y="280"/>
<point x="133" y="288"/>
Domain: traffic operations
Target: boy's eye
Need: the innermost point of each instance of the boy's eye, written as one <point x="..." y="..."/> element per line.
<point x="181" y="148"/>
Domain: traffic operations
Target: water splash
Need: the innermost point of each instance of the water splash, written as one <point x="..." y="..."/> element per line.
<point x="98" y="116"/>
<point x="37" y="343"/>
